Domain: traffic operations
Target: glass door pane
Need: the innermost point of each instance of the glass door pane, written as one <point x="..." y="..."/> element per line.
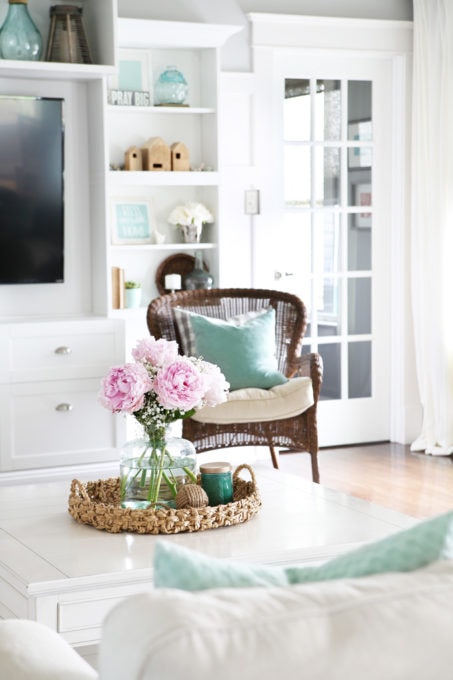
<point x="328" y="158"/>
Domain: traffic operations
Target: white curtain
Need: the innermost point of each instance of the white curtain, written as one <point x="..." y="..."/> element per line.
<point x="432" y="221"/>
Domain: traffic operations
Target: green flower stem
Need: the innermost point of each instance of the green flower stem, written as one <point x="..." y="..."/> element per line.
<point x="143" y="478"/>
<point x="154" y="487"/>
<point x="172" y="485"/>
<point x="190" y="474"/>
<point x="124" y="481"/>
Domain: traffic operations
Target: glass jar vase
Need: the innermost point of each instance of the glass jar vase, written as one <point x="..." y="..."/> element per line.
<point x="153" y="469"/>
<point x="171" y="88"/>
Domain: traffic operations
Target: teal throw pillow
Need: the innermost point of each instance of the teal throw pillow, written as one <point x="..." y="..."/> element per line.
<point x="183" y="320"/>
<point x="184" y="569"/>
<point x="407" y="550"/>
<point x="244" y="352"/>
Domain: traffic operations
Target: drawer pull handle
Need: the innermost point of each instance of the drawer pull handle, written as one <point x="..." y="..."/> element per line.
<point x="63" y="350"/>
<point x="63" y="407"/>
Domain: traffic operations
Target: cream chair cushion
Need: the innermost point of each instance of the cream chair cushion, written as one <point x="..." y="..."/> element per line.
<point x="253" y="404"/>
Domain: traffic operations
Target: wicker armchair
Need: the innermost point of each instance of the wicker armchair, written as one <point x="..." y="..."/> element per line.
<point x="296" y="433"/>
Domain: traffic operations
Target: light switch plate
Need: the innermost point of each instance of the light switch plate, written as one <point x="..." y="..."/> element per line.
<point x="252" y="202"/>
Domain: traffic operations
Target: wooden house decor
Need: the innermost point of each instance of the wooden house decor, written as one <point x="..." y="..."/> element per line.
<point x="180" y="157"/>
<point x="156" y="155"/>
<point x="133" y="159"/>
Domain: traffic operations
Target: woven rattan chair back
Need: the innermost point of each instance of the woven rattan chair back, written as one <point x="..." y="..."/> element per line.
<point x="298" y="433"/>
<point x="290" y="315"/>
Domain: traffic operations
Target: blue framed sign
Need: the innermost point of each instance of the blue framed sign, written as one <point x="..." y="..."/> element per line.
<point x="131" y="222"/>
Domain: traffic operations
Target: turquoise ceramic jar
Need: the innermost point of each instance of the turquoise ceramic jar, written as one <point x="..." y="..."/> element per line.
<point x="217" y="481"/>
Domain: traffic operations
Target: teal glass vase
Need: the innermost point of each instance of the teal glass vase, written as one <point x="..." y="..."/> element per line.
<point x="19" y="37"/>
<point x="171" y="88"/>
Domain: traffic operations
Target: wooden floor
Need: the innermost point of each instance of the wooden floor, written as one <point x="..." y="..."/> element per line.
<point x="387" y="474"/>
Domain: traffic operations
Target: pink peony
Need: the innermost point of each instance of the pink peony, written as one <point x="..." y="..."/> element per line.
<point x="156" y="352"/>
<point x="179" y="385"/>
<point x="216" y="386"/>
<point x="124" y="388"/>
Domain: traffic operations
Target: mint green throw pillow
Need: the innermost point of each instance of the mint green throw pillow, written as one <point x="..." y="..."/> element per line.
<point x="184" y="569"/>
<point x="244" y="352"/>
<point x="407" y="550"/>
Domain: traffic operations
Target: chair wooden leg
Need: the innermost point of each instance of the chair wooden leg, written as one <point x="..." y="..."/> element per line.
<point x="274" y="457"/>
<point x="314" y="467"/>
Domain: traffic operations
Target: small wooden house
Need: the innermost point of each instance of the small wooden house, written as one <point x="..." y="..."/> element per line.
<point x="180" y="157"/>
<point x="156" y="155"/>
<point x="133" y="159"/>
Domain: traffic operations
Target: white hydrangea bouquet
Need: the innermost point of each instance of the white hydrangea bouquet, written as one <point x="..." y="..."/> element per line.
<point x="190" y="218"/>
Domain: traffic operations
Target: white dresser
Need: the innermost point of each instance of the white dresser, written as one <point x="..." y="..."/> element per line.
<point x="50" y="375"/>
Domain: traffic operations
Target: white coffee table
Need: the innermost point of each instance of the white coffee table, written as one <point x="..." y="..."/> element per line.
<point x="68" y="575"/>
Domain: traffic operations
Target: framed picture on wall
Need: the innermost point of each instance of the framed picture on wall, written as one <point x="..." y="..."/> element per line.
<point x="132" y="221"/>
<point x="360" y="156"/>
<point x="130" y="85"/>
<point x="362" y="198"/>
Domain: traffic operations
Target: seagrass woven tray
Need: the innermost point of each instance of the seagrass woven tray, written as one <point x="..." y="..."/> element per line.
<point x="98" y="504"/>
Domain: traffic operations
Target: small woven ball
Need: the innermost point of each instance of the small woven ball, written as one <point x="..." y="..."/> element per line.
<point x="191" y="496"/>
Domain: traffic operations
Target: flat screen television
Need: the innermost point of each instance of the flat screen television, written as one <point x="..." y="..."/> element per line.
<point x="31" y="190"/>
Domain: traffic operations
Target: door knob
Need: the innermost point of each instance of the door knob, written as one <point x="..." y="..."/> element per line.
<point x="282" y="275"/>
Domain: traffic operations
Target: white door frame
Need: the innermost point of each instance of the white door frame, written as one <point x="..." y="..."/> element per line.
<point x="391" y="41"/>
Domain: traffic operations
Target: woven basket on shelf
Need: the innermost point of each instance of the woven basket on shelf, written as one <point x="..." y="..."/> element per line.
<point x="97" y="504"/>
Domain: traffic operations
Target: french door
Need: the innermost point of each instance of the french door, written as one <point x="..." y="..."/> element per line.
<point x="324" y="231"/>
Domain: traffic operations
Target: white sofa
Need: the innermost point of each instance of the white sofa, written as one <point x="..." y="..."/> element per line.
<point x="390" y="626"/>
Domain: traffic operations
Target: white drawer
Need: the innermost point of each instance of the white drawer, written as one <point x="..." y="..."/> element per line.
<point x="80" y="615"/>
<point x="62" y="351"/>
<point x="55" y="351"/>
<point x="58" y="423"/>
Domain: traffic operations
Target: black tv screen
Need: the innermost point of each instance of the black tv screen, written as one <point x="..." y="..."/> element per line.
<point x="31" y="190"/>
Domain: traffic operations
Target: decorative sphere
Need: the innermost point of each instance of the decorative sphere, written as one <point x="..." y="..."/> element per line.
<point x="191" y="496"/>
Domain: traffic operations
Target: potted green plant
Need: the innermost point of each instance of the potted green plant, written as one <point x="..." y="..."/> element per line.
<point x="132" y="294"/>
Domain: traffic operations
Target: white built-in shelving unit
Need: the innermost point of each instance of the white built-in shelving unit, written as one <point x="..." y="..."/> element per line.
<point x="57" y="340"/>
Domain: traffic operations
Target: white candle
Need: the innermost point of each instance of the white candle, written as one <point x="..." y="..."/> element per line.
<point x="172" y="282"/>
